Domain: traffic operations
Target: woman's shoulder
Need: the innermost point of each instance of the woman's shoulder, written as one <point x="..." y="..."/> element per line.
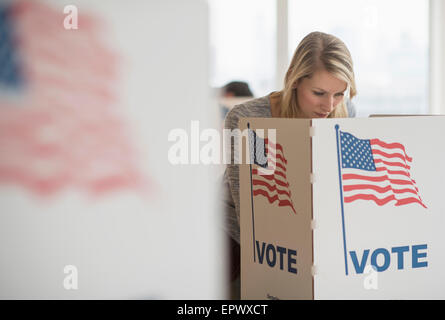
<point x="255" y="108"/>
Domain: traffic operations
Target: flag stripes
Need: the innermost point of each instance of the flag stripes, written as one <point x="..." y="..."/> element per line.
<point x="64" y="127"/>
<point x="377" y="171"/>
<point x="269" y="179"/>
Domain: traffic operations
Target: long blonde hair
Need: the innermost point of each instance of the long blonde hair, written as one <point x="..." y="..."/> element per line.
<point x="317" y="51"/>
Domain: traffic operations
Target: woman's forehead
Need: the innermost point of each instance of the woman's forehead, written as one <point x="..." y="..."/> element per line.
<point x="326" y="81"/>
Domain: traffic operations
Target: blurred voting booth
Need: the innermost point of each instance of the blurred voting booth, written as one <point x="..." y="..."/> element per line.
<point x="343" y="208"/>
<point x="90" y="206"/>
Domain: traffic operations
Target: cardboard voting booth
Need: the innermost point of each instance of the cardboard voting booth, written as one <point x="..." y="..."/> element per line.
<point x="343" y="208"/>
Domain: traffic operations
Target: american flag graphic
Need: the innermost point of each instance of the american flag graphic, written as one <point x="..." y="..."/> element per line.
<point x="59" y="121"/>
<point x="269" y="177"/>
<point x="376" y="171"/>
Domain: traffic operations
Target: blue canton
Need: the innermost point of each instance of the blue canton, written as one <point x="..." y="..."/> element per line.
<point x="10" y="76"/>
<point x="258" y="154"/>
<point x="356" y="153"/>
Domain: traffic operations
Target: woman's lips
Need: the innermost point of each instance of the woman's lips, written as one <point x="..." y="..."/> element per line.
<point x="321" y="115"/>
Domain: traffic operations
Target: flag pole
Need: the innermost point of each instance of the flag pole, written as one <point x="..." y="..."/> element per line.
<point x="251" y="189"/>
<point x="337" y="127"/>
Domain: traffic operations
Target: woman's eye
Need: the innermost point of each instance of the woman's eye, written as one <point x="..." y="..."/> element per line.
<point x="318" y="93"/>
<point x="340" y="94"/>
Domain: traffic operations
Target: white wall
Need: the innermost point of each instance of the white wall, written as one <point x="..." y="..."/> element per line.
<point x="437" y="57"/>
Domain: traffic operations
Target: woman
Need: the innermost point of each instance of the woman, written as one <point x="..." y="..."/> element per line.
<point x="318" y="84"/>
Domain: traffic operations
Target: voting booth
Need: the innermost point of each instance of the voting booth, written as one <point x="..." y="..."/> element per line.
<point x="343" y="208"/>
<point x="90" y="205"/>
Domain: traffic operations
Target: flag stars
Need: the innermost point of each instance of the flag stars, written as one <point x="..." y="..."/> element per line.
<point x="356" y="153"/>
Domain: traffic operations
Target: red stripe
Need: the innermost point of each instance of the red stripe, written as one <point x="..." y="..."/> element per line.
<point x="73" y="85"/>
<point x="404" y="173"/>
<point x="350" y="176"/>
<point x="394" y="145"/>
<point x="280" y="157"/>
<point x="277" y="165"/>
<point x="272" y="155"/>
<point x="258" y="172"/>
<point x="276" y="146"/>
<point x="380" y="169"/>
<point x="372" y="197"/>
<point x="377" y="188"/>
<point x="271" y="188"/>
<point x="101" y="69"/>
<point x="272" y="177"/>
<point x="383" y="201"/>
<point x="281" y="203"/>
<point x="44" y="14"/>
<point x="43" y="186"/>
<point x="282" y="167"/>
<point x="410" y="200"/>
<point x="389" y="155"/>
<point x="272" y="147"/>
<point x="395" y="164"/>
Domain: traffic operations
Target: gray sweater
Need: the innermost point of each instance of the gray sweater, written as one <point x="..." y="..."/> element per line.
<point x="256" y="108"/>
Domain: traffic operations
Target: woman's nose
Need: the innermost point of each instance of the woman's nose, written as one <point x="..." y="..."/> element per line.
<point x="328" y="105"/>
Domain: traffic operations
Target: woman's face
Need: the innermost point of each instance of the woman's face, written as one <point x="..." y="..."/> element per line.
<point x="320" y="94"/>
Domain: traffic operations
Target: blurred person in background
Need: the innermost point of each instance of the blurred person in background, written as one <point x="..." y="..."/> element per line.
<point x="319" y="83"/>
<point x="233" y="93"/>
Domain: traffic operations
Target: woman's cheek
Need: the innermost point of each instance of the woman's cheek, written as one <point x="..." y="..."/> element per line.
<point x="339" y="100"/>
<point x="309" y="99"/>
<point x="313" y="102"/>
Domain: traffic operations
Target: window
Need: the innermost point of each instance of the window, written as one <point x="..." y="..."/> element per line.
<point x="242" y="41"/>
<point x="388" y="41"/>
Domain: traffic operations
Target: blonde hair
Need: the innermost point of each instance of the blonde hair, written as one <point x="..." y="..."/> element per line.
<point x="317" y="51"/>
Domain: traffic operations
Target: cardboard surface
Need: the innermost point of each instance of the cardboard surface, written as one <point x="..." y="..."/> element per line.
<point x="369" y="226"/>
<point x="276" y="226"/>
<point x="91" y="120"/>
<point x="379" y="238"/>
